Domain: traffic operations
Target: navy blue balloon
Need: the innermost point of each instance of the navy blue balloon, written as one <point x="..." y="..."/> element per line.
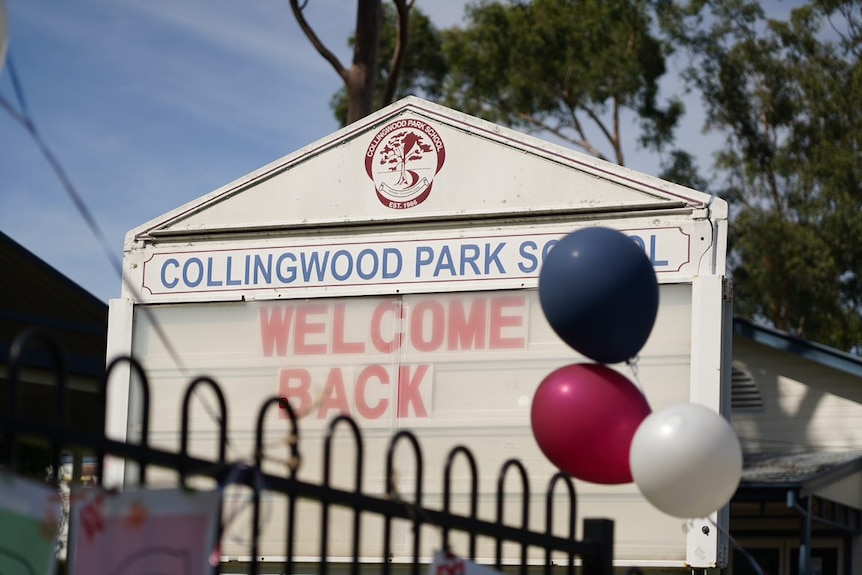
<point x="599" y="292"/>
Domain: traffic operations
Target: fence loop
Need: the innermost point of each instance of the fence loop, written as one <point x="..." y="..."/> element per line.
<point x="414" y="509"/>
<point x="285" y="409"/>
<point x="141" y="375"/>
<point x="184" y="422"/>
<point x="327" y="449"/>
<point x="563" y="478"/>
<point x="474" y="492"/>
<point x="283" y="404"/>
<point x="357" y="488"/>
<point x="525" y="508"/>
<point x="26" y="340"/>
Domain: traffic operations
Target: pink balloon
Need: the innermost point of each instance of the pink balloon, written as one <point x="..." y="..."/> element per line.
<point x="584" y="417"/>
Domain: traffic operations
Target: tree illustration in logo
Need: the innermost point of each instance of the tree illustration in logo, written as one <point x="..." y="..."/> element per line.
<point x="402" y="160"/>
<point x="404" y="147"/>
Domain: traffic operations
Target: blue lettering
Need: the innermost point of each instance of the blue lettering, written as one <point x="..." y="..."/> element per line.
<point x="210" y="281"/>
<point x="655" y="262"/>
<point x="547" y="248"/>
<point x="424" y="256"/>
<point x="247" y="268"/>
<point x="314" y="264"/>
<point x="375" y="263"/>
<point x="291" y="269"/>
<point x="652" y="249"/>
<point x="445" y="262"/>
<point x="345" y="275"/>
<point x="264" y="269"/>
<point x="186" y="266"/>
<point x="528" y="256"/>
<point x="387" y="272"/>
<point x="231" y="282"/>
<point x="494" y="257"/>
<point x="165" y="282"/>
<point x="475" y="252"/>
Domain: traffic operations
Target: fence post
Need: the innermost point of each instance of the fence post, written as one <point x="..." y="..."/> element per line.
<point x="600" y="533"/>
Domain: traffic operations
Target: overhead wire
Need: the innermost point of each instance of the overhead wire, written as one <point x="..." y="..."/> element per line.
<point x="23" y="117"/>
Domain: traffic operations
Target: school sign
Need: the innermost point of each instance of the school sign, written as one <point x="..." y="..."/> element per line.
<point x="389" y="272"/>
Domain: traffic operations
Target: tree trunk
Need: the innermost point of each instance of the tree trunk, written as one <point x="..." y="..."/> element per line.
<point x="363" y="73"/>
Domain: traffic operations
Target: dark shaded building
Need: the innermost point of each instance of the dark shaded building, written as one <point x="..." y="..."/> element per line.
<point x="37" y="299"/>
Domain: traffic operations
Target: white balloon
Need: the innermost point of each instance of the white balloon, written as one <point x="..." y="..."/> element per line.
<point x="686" y="460"/>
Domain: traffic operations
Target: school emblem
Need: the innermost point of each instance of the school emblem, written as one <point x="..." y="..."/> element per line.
<point x="402" y="160"/>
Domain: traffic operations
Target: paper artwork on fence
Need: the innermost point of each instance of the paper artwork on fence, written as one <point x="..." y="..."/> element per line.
<point x="142" y="532"/>
<point x="30" y="515"/>
<point x="447" y="564"/>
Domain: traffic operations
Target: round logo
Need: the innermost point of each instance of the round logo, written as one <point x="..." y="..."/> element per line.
<point x="402" y="160"/>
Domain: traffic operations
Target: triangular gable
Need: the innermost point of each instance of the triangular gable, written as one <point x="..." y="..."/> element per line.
<point x="457" y="166"/>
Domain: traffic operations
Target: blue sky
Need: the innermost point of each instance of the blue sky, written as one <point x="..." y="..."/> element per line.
<point x="149" y="104"/>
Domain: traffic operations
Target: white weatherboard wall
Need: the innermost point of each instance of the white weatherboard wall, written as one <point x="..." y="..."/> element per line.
<point x="389" y="271"/>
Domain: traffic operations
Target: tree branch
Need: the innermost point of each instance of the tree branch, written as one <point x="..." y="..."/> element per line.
<point x="362" y="75"/>
<point x="315" y="41"/>
<point x="598" y="121"/>
<point x="616" y="142"/>
<point x="584" y="144"/>
<point x="401" y="40"/>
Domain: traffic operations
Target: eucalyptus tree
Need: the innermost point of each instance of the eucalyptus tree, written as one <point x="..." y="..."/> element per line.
<point x="361" y="77"/>
<point x="569" y="68"/>
<point x="785" y="93"/>
<point x="422" y="69"/>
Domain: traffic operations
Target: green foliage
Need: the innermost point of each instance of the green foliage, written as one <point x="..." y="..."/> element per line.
<point x="680" y="168"/>
<point x="786" y="94"/>
<point x="568" y="67"/>
<point x="422" y="71"/>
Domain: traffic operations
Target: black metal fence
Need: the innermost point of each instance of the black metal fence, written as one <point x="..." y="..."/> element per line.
<point x="591" y="555"/>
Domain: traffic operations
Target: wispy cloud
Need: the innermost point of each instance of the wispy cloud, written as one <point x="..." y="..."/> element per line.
<point x="152" y="103"/>
<point x="262" y="30"/>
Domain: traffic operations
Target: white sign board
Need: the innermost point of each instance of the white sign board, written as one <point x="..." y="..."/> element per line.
<point x="389" y="272"/>
<point x="394" y="263"/>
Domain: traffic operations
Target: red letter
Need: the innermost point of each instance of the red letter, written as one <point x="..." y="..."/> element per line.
<point x="408" y="391"/>
<point x="417" y="325"/>
<point x="451" y="567"/>
<point x="304" y="328"/>
<point x="275" y="330"/>
<point x="362" y="406"/>
<point x="338" y="343"/>
<point x="500" y="321"/>
<point x="334" y="396"/>
<point x="377" y="323"/>
<point x="300" y="391"/>
<point x="467" y="332"/>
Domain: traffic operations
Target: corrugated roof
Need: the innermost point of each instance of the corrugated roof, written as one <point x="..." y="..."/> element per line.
<point x="795" y="469"/>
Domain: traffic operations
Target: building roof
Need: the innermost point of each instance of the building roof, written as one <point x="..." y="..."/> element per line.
<point x="808" y="470"/>
<point x="32" y="293"/>
<point x="783" y="341"/>
<point x="796" y="469"/>
<point x="828" y="479"/>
